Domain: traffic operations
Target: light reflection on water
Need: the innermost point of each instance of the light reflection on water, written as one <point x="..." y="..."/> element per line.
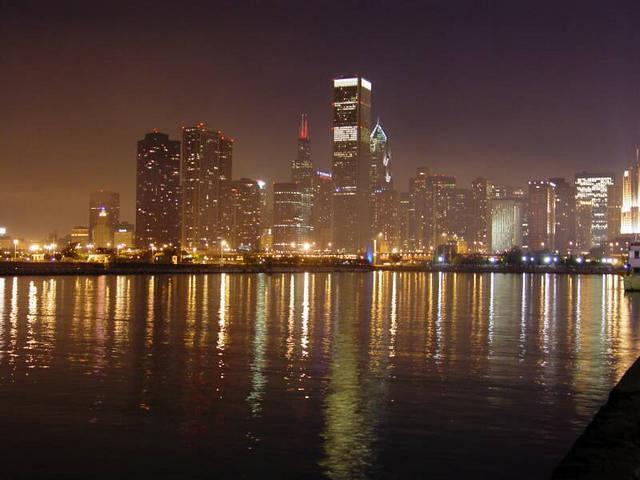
<point x="310" y="375"/>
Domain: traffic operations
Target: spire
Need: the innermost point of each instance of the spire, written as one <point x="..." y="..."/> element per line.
<point x="303" y="134"/>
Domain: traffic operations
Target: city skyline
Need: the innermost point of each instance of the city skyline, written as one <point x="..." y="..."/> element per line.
<point x="457" y="104"/>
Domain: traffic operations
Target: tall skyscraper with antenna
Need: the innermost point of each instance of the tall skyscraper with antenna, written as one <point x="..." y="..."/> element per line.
<point x="302" y="174"/>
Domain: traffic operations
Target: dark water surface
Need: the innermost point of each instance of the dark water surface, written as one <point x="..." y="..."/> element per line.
<point x="349" y="375"/>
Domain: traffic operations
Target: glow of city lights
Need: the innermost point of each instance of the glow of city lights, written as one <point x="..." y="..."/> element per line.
<point x="306" y="246"/>
<point x="3" y="231"/>
<point x="547" y="260"/>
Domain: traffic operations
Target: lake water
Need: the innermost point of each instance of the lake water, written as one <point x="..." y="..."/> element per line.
<point x="344" y="375"/>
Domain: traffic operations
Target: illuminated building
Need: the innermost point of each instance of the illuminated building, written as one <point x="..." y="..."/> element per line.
<point x="123" y="237"/>
<point x="461" y="221"/>
<point x="440" y="209"/>
<point x="565" y="197"/>
<point x="102" y="233"/>
<point x="383" y="208"/>
<point x="205" y="165"/>
<point x="79" y="235"/>
<point x="107" y="201"/>
<point x="584" y="216"/>
<point x="287" y="216"/>
<point x="630" y="211"/>
<point x="505" y="227"/>
<point x="592" y="187"/>
<point x="479" y="221"/>
<point x="541" y="215"/>
<point x="157" y="191"/>
<point x="302" y="174"/>
<point x="351" y="130"/>
<point x="614" y="211"/>
<point x="404" y="221"/>
<point x="321" y="212"/>
<point x="418" y="216"/>
<point x="242" y="214"/>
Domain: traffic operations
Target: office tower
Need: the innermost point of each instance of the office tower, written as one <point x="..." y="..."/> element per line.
<point x="614" y="211"/>
<point x="505" y="226"/>
<point x="418" y="217"/>
<point x="351" y="130"/>
<point x="321" y="212"/>
<point x="302" y="174"/>
<point x="630" y="211"/>
<point x="383" y="199"/>
<point x="123" y="237"/>
<point x="287" y="216"/>
<point x="592" y="187"/>
<point x="460" y="222"/>
<point x="107" y="201"/>
<point x="103" y="229"/>
<point x="565" y="215"/>
<point x="440" y="212"/>
<point x="481" y="191"/>
<point x="404" y="221"/>
<point x="541" y="215"/>
<point x="206" y="166"/>
<point x="584" y="230"/>
<point x="79" y="235"/>
<point x="157" y="191"/>
<point x="242" y="211"/>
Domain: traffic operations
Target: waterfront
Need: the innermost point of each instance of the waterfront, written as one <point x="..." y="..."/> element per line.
<point x="343" y="375"/>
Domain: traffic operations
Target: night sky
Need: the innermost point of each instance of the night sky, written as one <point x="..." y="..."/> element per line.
<point x="506" y="89"/>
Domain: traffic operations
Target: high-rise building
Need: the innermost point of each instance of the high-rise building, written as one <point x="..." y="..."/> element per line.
<point x="481" y="191"/>
<point x="505" y="227"/>
<point x="158" y="191"/>
<point x="404" y="221"/>
<point x="103" y="229"/>
<point x="302" y="174"/>
<point x="383" y="199"/>
<point x="351" y="135"/>
<point x="287" y="216"/>
<point x="565" y="195"/>
<point x="79" y="235"/>
<point x="542" y="215"/>
<point x="584" y="218"/>
<point x="592" y="187"/>
<point x="630" y="211"/>
<point x="462" y="220"/>
<point x="321" y="212"/>
<point x="206" y="165"/>
<point x="418" y="215"/>
<point x="440" y="209"/>
<point x="110" y="203"/>
<point x="242" y="214"/>
<point x="614" y="211"/>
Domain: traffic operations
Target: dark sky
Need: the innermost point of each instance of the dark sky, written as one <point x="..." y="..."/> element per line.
<point x="506" y="89"/>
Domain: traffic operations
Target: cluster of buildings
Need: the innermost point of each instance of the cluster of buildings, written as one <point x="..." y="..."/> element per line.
<point x="188" y="200"/>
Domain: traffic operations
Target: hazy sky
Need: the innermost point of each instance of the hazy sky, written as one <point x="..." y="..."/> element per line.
<point x="510" y="90"/>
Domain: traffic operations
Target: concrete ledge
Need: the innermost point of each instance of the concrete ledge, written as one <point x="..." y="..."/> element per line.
<point x="609" y="448"/>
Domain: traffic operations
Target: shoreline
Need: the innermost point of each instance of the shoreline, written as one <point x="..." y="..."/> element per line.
<point x="71" y="268"/>
<point x="609" y="447"/>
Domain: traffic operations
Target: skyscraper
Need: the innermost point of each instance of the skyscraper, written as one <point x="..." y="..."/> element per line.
<point x="351" y="132"/>
<point x="614" y="211"/>
<point x="206" y="165"/>
<point x="418" y="216"/>
<point x="242" y="214"/>
<point x="630" y="211"/>
<point x="383" y="199"/>
<point x="440" y="211"/>
<point x="110" y="203"/>
<point x="321" y="213"/>
<point x="158" y="191"/>
<point x="287" y="216"/>
<point x="565" y="197"/>
<point x="592" y="187"/>
<point x="505" y="227"/>
<point x="542" y="215"/>
<point x="302" y="174"/>
<point x="479" y="222"/>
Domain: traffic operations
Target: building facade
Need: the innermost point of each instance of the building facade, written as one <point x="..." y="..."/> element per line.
<point x="287" y="217"/>
<point x="322" y="212"/>
<point x="505" y="227"/>
<point x="302" y="173"/>
<point x="630" y="209"/>
<point x="541" y="218"/>
<point x="351" y="134"/>
<point x="206" y="165"/>
<point x="565" y="198"/>
<point x="157" y="191"/>
<point x="592" y="187"/>
<point x="109" y="202"/>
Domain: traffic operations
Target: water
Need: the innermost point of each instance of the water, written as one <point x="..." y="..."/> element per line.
<point x="349" y="375"/>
